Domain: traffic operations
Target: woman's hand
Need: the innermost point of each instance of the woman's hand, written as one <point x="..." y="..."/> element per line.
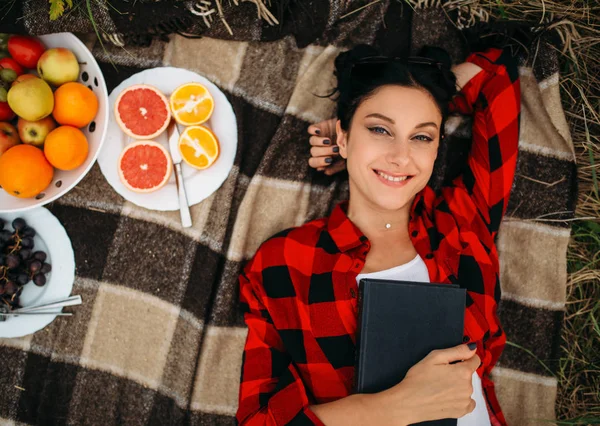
<point x="433" y="389"/>
<point x="324" y="154"/>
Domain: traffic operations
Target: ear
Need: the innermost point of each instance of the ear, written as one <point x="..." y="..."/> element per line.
<point x="341" y="139"/>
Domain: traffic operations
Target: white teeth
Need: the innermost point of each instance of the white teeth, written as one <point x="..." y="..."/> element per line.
<point x="391" y="178"/>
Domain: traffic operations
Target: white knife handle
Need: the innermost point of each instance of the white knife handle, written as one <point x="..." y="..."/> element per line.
<point x="184" y="209"/>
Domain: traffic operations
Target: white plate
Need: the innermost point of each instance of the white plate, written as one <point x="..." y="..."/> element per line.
<point x="52" y="238"/>
<point x="199" y="184"/>
<point x="64" y="181"/>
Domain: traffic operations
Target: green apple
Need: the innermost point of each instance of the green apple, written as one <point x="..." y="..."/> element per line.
<point x="31" y="99"/>
<point x="58" y="66"/>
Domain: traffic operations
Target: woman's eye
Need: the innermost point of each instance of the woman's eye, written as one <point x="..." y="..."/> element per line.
<point x="378" y="130"/>
<point x="423" y="138"/>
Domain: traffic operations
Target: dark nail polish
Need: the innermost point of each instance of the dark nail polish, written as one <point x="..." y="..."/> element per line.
<point x="326" y="142"/>
<point x="472" y="345"/>
<point x="329" y="160"/>
<point x="317" y="132"/>
<point x="336" y="149"/>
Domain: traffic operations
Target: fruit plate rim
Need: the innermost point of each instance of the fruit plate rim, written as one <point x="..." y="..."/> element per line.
<point x="61" y="278"/>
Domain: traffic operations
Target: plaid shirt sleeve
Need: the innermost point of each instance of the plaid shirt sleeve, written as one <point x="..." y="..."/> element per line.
<point x="494" y="98"/>
<point x="271" y="390"/>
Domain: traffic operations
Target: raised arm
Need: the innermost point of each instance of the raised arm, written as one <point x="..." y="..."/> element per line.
<point x="493" y="97"/>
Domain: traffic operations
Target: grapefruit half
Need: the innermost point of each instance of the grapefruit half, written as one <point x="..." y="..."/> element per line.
<point x="145" y="166"/>
<point x="142" y="111"/>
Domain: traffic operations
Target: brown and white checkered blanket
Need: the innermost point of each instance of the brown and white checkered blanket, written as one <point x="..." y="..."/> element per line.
<point x="159" y="337"/>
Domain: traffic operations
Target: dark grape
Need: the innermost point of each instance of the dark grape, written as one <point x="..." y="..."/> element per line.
<point x="10" y="288"/>
<point x="46" y="267"/>
<point x="27" y="242"/>
<point x="13" y="261"/>
<point x="18" y="224"/>
<point x="5" y="236"/>
<point x="25" y="254"/>
<point x="40" y="255"/>
<point x="22" y="279"/>
<point x="39" y="279"/>
<point x="2" y="259"/>
<point x="1" y="289"/>
<point x="35" y="266"/>
<point x="28" y="231"/>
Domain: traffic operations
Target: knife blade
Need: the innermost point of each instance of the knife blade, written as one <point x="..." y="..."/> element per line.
<point x="173" y="134"/>
<point x="184" y="209"/>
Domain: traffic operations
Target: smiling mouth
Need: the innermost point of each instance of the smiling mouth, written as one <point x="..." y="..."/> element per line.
<point x="391" y="178"/>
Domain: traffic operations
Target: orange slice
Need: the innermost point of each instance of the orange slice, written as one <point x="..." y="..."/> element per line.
<point x="199" y="147"/>
<point x="191" y="104"/>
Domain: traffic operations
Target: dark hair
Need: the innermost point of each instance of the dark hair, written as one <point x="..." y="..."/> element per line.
<point x="358" y="78"/>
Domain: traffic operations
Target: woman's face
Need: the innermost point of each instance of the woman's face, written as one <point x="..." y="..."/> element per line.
<point x="391" y="146"/>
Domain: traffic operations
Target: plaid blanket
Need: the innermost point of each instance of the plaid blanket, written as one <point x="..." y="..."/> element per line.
<point x="159" y="337"/>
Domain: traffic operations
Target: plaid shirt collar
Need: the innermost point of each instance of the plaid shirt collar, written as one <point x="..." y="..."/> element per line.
<point x="441" y="264"/>
<point x="347" y="236"/>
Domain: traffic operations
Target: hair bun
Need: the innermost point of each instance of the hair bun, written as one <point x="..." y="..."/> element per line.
<point x="441" y="56"/>
<point x="346" y="60"/>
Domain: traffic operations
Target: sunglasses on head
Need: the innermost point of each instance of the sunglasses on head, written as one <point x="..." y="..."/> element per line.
<point x="368" y="62"/>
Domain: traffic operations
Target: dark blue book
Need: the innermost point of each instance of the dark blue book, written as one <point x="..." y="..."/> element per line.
<point x="400" y="322"/>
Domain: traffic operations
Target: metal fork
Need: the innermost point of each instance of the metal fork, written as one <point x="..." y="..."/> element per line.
<point x="69" y="301"/>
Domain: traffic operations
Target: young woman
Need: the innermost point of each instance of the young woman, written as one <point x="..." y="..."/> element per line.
<point x="299" y="291"/>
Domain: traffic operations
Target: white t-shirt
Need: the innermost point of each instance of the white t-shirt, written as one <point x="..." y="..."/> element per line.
<point x="416" y="270"/>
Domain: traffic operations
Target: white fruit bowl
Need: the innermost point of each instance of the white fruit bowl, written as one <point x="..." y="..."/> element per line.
<point x="64" y="181"/>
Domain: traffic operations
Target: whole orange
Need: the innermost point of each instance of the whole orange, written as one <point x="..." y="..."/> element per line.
<point x="74" y="105"/>
<point x="66" y="147"/>
<point x="24" y="171"/>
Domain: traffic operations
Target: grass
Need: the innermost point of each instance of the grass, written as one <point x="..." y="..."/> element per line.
<point x="578" y="24"/>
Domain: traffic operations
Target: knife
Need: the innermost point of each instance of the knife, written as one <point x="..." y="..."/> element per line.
<point x="184" y="209"/>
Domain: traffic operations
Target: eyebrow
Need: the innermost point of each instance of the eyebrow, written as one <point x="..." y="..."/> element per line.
<point x="388" y="119"/>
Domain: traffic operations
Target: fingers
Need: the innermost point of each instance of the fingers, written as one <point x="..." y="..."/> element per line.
<point x="337" y="166"/>
<point x="322" y="157"/>
<point x="471" y="406"/>
<point x="323" y="128"/>
<point x="315" y="129"/>
<point x="317" y="162"/>
<point x="317" y="151"/>
<point x="329" y="165"/>
<point x="452" y="355"/>
<point x="320" y="141"/>
<point x="318" y="128"/>
<point x="473" y="363"/>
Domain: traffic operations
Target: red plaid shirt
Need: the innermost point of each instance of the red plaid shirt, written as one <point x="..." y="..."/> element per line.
<point x="299" y="291"/>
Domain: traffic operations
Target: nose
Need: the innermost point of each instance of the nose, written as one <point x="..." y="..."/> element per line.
<point x="399" y="154"/>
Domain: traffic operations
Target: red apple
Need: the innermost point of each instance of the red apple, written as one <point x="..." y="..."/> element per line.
<point x="5" y="112"/>
<point x="8" y="137"/>
<point x="35" y="132"/>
